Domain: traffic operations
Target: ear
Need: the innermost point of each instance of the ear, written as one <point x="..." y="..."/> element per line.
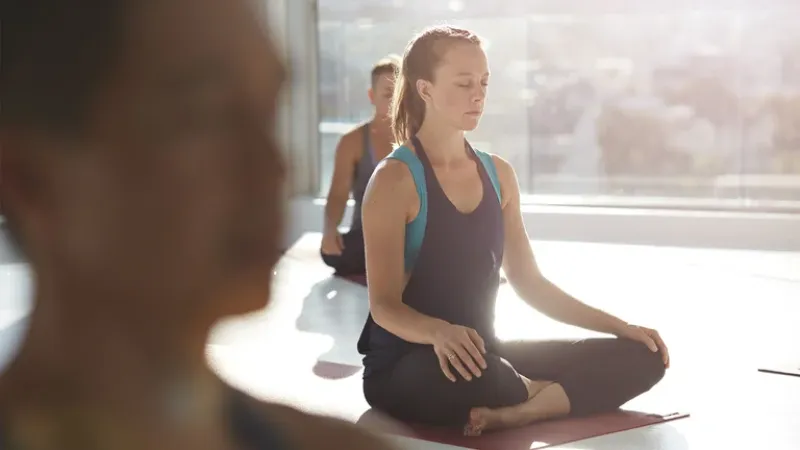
<point x="424" y="90"/>
<point x="17" y="179"/>
<point x="22" y="190"/>
<point x="371" y="95"/>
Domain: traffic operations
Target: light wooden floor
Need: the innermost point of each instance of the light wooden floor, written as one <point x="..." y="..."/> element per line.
<point x="721" y="312"/>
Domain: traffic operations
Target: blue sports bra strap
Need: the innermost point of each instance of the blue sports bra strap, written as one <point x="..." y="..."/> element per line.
<point x="415" y="230"/>
<point x="491" y="170"/>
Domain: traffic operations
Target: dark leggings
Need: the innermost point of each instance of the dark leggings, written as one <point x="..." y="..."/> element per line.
<point x="597" y="375"/>
<point x="351" y="261"/>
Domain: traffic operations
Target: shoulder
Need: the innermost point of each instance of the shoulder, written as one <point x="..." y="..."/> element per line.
<point x="502" y="166"/>
<point x="507" y="177"/>
<point x="505" y="171"/>
<point x="353" y="140"/>
<point x="303" y="430"/>
<point x="394" y="172"/>
<point x="392" y="188"/>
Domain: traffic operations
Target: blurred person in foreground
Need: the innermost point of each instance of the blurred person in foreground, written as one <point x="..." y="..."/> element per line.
<point x="142" y="179"/>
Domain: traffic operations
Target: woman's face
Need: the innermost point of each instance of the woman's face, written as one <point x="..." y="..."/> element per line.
<point x="458" y="91"/>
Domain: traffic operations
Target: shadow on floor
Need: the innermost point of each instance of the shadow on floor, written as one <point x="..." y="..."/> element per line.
<point x="337" y="308"/>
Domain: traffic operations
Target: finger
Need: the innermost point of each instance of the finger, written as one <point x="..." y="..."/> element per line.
<point x="475" y="353"/>
<point x="662" y="347"/>
<point x="455" y="360"/>
<point x="445" y="366"/>
<point x="464" y="357"/>
<point x="477" y="339"/>
<point x="331" y="250"/>
<point x="648" y="341"/>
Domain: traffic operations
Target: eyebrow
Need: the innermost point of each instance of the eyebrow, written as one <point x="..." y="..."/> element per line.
<point x="462" y="74"/>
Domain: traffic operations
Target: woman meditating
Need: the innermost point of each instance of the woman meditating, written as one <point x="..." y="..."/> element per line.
<point x="440" y="219"/>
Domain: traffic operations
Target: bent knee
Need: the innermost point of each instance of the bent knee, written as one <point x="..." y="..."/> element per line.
<point x="498" y="385"/>
<point x="643" y="366"/>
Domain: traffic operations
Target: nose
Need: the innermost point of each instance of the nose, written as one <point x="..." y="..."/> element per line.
<point x="479" y="94"/>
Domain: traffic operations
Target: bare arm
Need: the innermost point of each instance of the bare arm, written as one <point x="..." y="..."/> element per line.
<point x="347" y="154"/>
<point x="389" y="202"/>
<point x="522" y="271"/>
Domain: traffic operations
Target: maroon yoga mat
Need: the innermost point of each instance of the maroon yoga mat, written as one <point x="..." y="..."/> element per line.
<point x="536" y="436"/>
<point x="333" y="371"/>
<point x="540" y="435"/>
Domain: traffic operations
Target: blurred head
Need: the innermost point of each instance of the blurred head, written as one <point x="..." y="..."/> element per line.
<point x="382" y="87"/>
<point x="443" y="77"/>
<point x="139" y="154"/>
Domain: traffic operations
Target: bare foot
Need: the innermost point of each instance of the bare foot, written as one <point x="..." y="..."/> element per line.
<point x="482" y="419"/>
<point x="546" y="400"/>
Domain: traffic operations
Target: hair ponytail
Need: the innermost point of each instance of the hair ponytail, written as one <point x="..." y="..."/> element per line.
<point x="408" y="110"/>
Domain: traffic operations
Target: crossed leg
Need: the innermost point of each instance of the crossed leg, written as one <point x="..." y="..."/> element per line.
<point x="571" y="377"/>
<point x="525" y="382"/>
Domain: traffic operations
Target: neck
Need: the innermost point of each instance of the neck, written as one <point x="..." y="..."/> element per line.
<point x="80" y="356"/>
<point x="381" y="129"/>
<point x="381" y="123"/>
<point x="442" y="143"/>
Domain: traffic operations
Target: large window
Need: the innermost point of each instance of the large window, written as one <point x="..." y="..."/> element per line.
<point x="661" y="105"/>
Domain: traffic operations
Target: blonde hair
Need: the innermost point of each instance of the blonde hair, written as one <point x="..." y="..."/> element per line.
<point x="422" y="55"/>
<point x="389" y="64"/>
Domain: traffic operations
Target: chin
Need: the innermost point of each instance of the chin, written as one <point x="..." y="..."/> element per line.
<point x="248" y="287"/>
<point x="469" y="128"/>
<point x="470" y="124"/>
<point x="249" y="295"/>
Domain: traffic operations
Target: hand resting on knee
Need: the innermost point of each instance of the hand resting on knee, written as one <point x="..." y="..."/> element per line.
<point x="459" y="346"/>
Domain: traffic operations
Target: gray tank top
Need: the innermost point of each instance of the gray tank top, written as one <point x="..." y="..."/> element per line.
<point x="364" y="168"/>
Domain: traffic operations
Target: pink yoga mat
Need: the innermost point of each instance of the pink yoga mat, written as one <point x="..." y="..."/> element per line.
<point x="536" y="436"/>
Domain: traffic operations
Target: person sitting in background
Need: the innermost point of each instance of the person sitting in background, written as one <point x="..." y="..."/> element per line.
<point x="357" y="154"/>
<point x="440" y="220"/>
<point x="142" y="179"/>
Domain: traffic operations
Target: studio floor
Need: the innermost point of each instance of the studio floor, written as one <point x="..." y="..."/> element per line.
<point x="722" y="314"/>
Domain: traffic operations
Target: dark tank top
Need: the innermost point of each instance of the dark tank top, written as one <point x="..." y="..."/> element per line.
<point x="364" y="168"/>
<point x="250" y="429"/>
<point x="454" y="260"/>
